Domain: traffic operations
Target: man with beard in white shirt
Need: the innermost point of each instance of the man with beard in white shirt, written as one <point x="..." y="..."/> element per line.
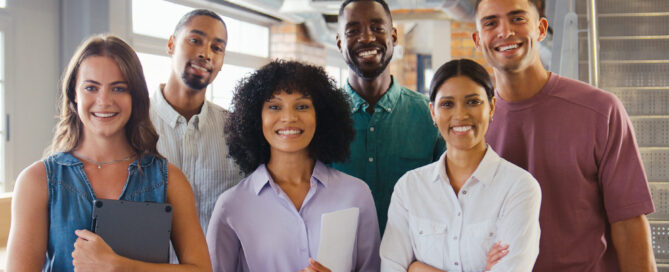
<point x="190" y="127"/>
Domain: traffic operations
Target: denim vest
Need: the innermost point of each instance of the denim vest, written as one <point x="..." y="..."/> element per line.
<point x="71" y="200"/>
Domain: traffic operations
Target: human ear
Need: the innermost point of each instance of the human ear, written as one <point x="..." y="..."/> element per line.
<point x="477" y="40"/>
<point x="493" y="102"/>
<point x="543" y="28"/>
<point x="170" y="45"/>
<point x="434" y="118"/>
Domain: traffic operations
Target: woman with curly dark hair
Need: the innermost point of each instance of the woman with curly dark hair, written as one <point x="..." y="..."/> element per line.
<point x="288" y="121"/>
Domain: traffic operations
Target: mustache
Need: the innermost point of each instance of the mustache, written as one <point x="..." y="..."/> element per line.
<point x="371" y="46"/>
<point x="201" y="62"/>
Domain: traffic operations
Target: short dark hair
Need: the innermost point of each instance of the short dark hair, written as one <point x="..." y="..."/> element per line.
<point x="535" y="3"/>
<point x="334" y="127"/>
<point x="197" y="12"/>
<point x="461" y="67"/>
<point x="382" y="2"/>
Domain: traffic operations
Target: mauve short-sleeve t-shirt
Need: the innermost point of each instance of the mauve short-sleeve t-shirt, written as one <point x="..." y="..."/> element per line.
<point x="579" y="144"/>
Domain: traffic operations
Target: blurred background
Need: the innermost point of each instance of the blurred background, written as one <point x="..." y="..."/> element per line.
<point x="621" y="46"/>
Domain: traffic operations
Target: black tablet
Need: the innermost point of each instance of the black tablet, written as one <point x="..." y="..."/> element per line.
<point x="136" y="230"/>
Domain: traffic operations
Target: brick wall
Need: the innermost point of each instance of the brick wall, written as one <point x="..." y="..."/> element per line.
<point x="291" y="41"/>
<point x="404" y="68"/>
<point x="462" y="45"/>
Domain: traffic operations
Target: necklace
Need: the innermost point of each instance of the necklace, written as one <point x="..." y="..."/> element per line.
<point x="101" y="163"/>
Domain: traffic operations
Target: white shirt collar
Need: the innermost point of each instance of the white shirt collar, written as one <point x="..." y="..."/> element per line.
<point x="170" y="115"/>
<point x="484" y="172"/>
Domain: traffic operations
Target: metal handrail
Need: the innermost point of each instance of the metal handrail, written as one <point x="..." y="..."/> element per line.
<point x="593" y="43"/>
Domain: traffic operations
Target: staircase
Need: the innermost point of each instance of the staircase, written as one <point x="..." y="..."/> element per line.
<point x="634" y="65"/>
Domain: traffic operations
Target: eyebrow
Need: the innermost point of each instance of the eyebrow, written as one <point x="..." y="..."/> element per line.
<point x="374" y="20"/>
<point x="378" y="21"/>
<point x="510" y="13"/>
<point x="201" y="33"/>
<point x="305" y="96"/>
<point x="91" y="81"/>
<point x="351" y="24"/>
<point x="517" y="12"/>
<point x="466" y="96"/>
<point x="98" y="83"/>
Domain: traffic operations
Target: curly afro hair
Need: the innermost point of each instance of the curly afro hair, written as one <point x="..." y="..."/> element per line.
<point x="334" y="126"/>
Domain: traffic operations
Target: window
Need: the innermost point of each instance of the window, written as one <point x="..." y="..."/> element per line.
<point x="153" y="22"/>
<point x="247" y="38"/>
<point x="338" y="74"/>
<point x="225" y="83"/>
<point x="157" y="18"/>
<point x="3" y="3"/>
<point x="156" y="69"/>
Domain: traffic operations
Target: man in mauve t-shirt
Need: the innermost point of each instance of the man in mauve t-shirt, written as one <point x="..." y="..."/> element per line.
<point x="575" y="139"/>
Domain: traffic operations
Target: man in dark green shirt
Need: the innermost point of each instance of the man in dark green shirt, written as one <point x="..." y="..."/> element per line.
<point x="394" y="129"/>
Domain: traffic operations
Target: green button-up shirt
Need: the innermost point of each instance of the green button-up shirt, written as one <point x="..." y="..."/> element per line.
<point x="398" y="137"/>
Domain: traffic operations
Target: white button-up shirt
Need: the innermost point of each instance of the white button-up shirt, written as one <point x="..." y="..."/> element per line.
<point x="429" y="223"/>
<point x="198" y="148"/>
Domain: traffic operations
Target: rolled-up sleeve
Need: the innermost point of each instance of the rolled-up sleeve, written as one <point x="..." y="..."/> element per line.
<point x="519" y="226"/>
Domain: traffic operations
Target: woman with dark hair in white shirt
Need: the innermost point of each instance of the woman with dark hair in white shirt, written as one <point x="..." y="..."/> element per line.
<point x="471" y="210"/>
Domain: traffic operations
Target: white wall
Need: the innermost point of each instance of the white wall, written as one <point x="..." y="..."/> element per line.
<point x="32" y="67"/>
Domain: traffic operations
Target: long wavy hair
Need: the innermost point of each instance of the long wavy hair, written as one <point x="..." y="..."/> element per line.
<point x="139" y="131"/>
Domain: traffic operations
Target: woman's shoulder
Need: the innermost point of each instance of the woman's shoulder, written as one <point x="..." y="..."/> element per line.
<point x="35" y="171"/>
<point x="421" y="174"/>
<point x="31" y="182"/>
<point x="246" y="187"/>
<point x="517" y="176"/>
<point x="340" y="178"/>
<point x="62" y="158"/>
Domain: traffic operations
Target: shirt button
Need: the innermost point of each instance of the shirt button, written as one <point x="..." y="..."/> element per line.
<point x="371" y="129"/>
<point x="464" y="192"/>
<point x="371" y="159"/>
<point x="455" y="237"/>
<point x="456" y="263"/>
<point x="458" y="213"/>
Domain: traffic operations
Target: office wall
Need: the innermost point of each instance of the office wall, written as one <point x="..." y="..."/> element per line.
<point x="32" y="67"/>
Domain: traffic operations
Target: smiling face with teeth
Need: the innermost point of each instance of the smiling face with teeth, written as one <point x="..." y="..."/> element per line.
<point x="366" y="38"/>
<point x="104" y="102"/>
<point x="197" y="51"/>
<point x="462" y="112"/>
<point x="288" y="122"/>
<point x="508" y="34"/>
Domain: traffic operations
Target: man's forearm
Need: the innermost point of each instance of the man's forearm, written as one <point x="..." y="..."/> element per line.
<point x="632" y="241"/>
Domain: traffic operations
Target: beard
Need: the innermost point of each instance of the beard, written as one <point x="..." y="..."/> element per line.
<point x="195" y="82"/>
<point x="352" y="63"/>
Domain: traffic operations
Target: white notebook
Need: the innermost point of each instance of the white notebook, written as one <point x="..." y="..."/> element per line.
<point x="338" y="232"/>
